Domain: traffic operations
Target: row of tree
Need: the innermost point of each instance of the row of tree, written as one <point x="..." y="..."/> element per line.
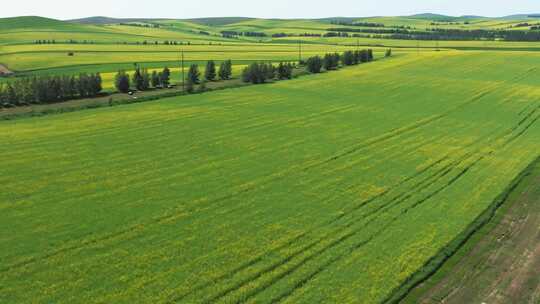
<point x="142" y="80"/>
<point x="233" y="34"/>
<point x="437" y="34"/>
<point x="331" y="61"/>
<point x="210" y="73"/>
<point x="260" y="72"/>
<point x="61" y="88"/>
<point x="362" y="24"/>
<point x="49" y="89"/>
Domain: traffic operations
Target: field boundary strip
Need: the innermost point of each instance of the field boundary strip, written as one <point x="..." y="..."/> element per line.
<point x="436" y="262"/>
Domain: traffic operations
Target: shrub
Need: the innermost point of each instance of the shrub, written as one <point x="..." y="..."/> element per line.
<point x="122" y="82"/>
<point x="314" y="64"/>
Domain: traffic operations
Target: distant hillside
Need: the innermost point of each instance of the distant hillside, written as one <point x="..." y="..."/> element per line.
<point x="434" y="17"/>
<point x="339" y="19"/>
<point x="472" y="17"/>
<point x="218" y="21"/>
<point x="521" y="17"/>
<point x="100" y="20"/>
<point x="32" y="22"/>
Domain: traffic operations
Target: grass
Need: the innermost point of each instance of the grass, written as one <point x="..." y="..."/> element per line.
<point x="331" y="188"/>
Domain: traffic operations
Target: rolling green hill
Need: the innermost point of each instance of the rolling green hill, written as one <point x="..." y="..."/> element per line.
<point x="36" y="23"/>
<point x="36" y="45"/>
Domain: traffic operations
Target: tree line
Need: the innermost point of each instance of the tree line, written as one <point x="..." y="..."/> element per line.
<point x="331" y="61"/>
<point x="370" y="30"/>
<point x="49" y="89"/>
<point x="211" y="73"/>
<point x="437" y="34"/>
<point x="280" y="35"/>
<point x="362" y="24"/>
<point x="142" y="80"/>
<point x="233" y="34"/>
<point x="260" y="72"/>
<point x="458" y="34"/>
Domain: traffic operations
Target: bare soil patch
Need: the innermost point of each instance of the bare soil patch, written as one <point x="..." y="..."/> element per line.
<point x="4" y="70"/>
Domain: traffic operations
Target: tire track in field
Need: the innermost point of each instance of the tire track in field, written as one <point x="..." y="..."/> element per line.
<point x="404" y="211"/>
<point x="391" y="134"/>
<point x="445" y="172"/>
<point x="416" y="204"/>
<point x="299" y="284"/>
<point x="527" y="126"/>
<point x="166" y="217"/>
<point x="156" y="221"/>
<point x="199" y="286"/>
<point x="341" y="240"/>
<point x="265" y="254"/>
<point x="369" y="143"/>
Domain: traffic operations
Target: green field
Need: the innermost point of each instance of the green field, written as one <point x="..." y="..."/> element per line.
<point x="108" y="47"/>
<point x="331" y="188"/>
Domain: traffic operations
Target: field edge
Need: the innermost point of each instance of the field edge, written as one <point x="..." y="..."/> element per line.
<point x="443" y="262"/>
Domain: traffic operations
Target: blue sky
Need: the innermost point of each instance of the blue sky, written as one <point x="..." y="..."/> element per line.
<point x="64" y="9"/>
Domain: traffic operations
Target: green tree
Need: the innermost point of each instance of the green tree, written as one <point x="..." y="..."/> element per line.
<point x="11" y="95"/>
<point x="284" y="70"/>
<point x="225" y="70"/>
<point x="210" y="71"/>
<point x="145" y="84"/>
<point x="364" y="56"/>
<point x="314" y="64"/>
<point x="156" y="81"/>
<point x="194" y="74"/>
<point x="331" y="61"/>
<point x="138" y="79"/>
<point x="348" y="58"/>
<point x="121" y="82"/>
<point x="165" y="77"/>
<point x="95" y="84"/>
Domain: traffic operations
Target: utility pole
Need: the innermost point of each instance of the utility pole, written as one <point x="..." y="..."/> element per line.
<point x="299" y="51"/>
<point x="183" y="76"/>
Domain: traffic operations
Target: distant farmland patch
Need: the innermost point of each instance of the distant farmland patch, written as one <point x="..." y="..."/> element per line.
<point x="4" y="70"/>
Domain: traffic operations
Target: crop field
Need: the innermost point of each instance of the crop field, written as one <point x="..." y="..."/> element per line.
<point x="107" y="47"/>
<point x="41" y="58"/>
<point x="331" y="188"/>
